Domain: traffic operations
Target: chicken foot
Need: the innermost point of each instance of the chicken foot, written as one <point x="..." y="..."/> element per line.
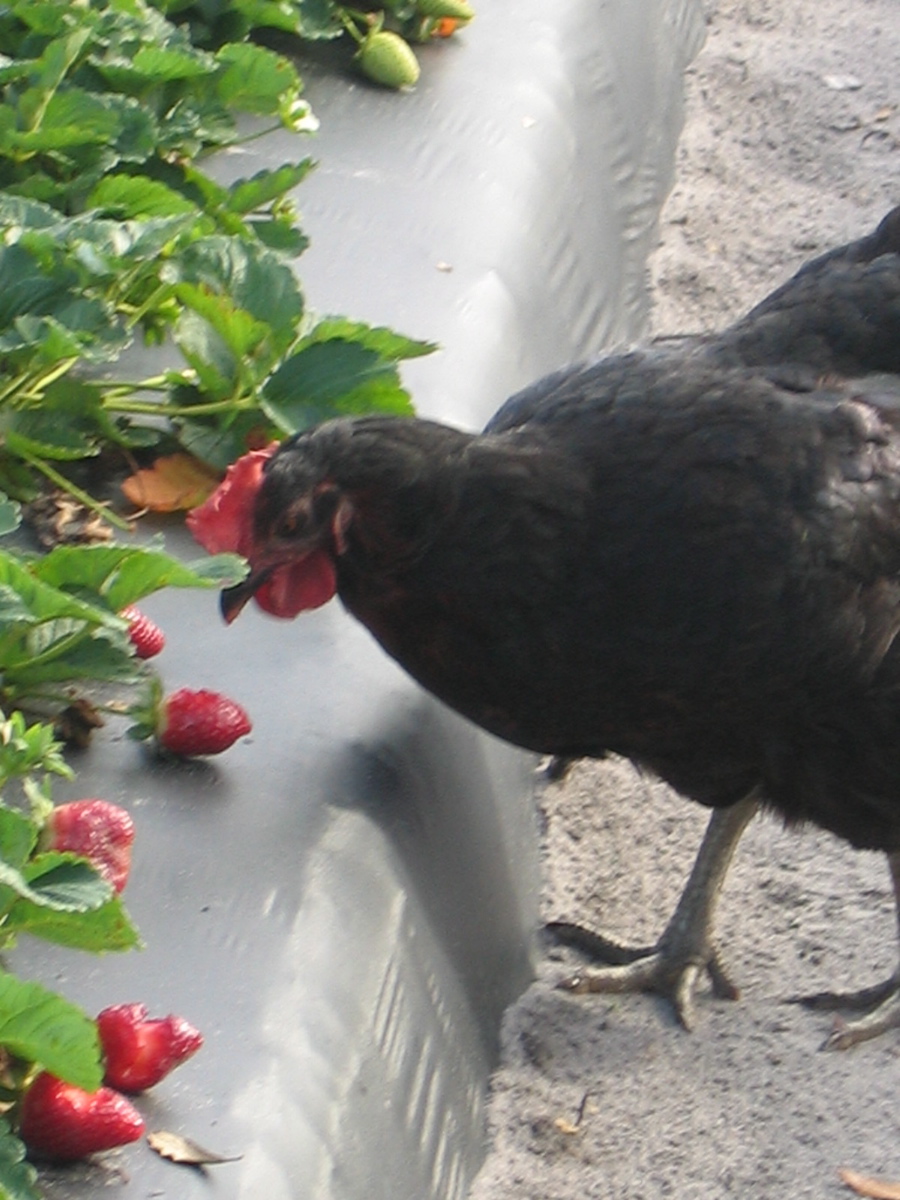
<point x="885" y="997"/>
<point x="686" y="948"/>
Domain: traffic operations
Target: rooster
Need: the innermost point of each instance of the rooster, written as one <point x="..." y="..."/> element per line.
<point x="688" y="555"/>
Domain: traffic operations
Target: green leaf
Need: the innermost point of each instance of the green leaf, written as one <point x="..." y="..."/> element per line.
<point x="64" y="882"/>
<point x="81" y="328"/>
<point x="59" y="56"/>
<point x="10" y="514"/>
<point x="328" y="378"/>
<point x="25" y="749"/>
<point x="42" y="1027"/>
<point x="250" y="278"/>
<point x="26" y="214"/>
<point x="111" y="241"/>
<point x="321" y="373"/>
<point x="122" y="575"/>
<point x="70" y="118"/>
<point x="308" y="18"/>
<point x="254" y="79"/>
<point x="96" y="657"/>
<point x="13" y="610"/>
<point x="375" y="337"/>
<point x="61" y="882"/>
<point x="24" y="288"/>
<point x="139" y="196"/>
<point x="18" y="1178"/>
<point x="35" y="304"/>
<point x="165" y="63"/>
<point x="280" y="235"/>
<point x="220" y="445"/>
<point x="216" y="337"/>
<point x="248" y="194"/>
<point x="35" y="599"/>
<point x="106" y="929"/>
<point x="47" y="435"/>
<point x="17" y="837"/>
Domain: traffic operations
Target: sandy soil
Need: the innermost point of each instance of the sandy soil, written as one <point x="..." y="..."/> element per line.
<point x="792" y="144"/>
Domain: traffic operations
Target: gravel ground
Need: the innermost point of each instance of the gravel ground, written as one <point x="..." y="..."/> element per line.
<point x="791" y="145"/>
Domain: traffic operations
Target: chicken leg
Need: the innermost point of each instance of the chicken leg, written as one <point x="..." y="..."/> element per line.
<point x="885" y="997"/>
<point x="686" y="948"/>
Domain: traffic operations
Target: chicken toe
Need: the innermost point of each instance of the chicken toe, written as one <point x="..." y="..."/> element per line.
<point x="882" y="1000"/>
<point x="661" y="973"/>
<point x="686" y="950"/>
<point x="850" y="1033"/>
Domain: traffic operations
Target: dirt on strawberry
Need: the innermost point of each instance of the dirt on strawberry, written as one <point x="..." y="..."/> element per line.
<point x="792" y="144"/>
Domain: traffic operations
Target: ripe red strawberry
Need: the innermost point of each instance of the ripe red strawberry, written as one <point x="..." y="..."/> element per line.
<point x="199" y="722"/>
<point x="60" y="1121"/>
<point x="97" y="830"/>
<point x="140" y="1052"/>
<point x="146" y="636"/>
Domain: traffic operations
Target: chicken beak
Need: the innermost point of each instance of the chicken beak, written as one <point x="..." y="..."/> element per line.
<point x="233" y="599"/>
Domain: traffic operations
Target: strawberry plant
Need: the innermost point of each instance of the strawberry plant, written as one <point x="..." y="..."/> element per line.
<point x="61" y="873"/>
<point x="112" y="231"/>
<point x="50" y="891"/>
<point x="63" y="640"/>
<point x="215" y="21"/>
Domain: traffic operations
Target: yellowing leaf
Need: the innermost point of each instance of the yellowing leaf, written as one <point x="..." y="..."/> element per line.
<point x="174" y="482"/>
<point x="865" y="1185"/>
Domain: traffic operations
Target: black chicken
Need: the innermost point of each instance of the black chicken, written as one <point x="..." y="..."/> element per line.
<point x="688" y="555"/>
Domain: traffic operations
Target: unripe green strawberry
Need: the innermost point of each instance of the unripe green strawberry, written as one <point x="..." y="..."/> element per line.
<point x="461" y="10"/>
<point x="387" y="59"/>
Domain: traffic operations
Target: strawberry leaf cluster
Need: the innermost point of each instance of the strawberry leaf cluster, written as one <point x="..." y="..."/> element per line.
<point x="61" y="897"/>
<point x="62" y="869"/>
<point x="112" y="232"/>
<point x="62" y="632"/>
<point x="215" y="21"/>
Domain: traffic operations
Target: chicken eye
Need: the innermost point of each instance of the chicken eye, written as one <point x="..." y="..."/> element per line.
<point x="287" y="526"/>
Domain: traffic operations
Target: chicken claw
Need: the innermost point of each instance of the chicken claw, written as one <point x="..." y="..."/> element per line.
<point x="664" y="970"/>
<point x="686" y="949"/>
<point x="850" y="1033"/>
<point x="882" y="1000"/>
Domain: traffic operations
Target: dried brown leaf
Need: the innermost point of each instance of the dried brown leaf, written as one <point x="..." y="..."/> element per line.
<point x="174" y="482"/>
<point x="183" y="1150"/>
<point x="58" y="519"/>
<point x="865" y="1185"/>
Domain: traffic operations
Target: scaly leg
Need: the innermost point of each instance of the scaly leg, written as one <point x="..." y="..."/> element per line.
<point x="686" y="948"/>
<point x="885" y="996"/>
